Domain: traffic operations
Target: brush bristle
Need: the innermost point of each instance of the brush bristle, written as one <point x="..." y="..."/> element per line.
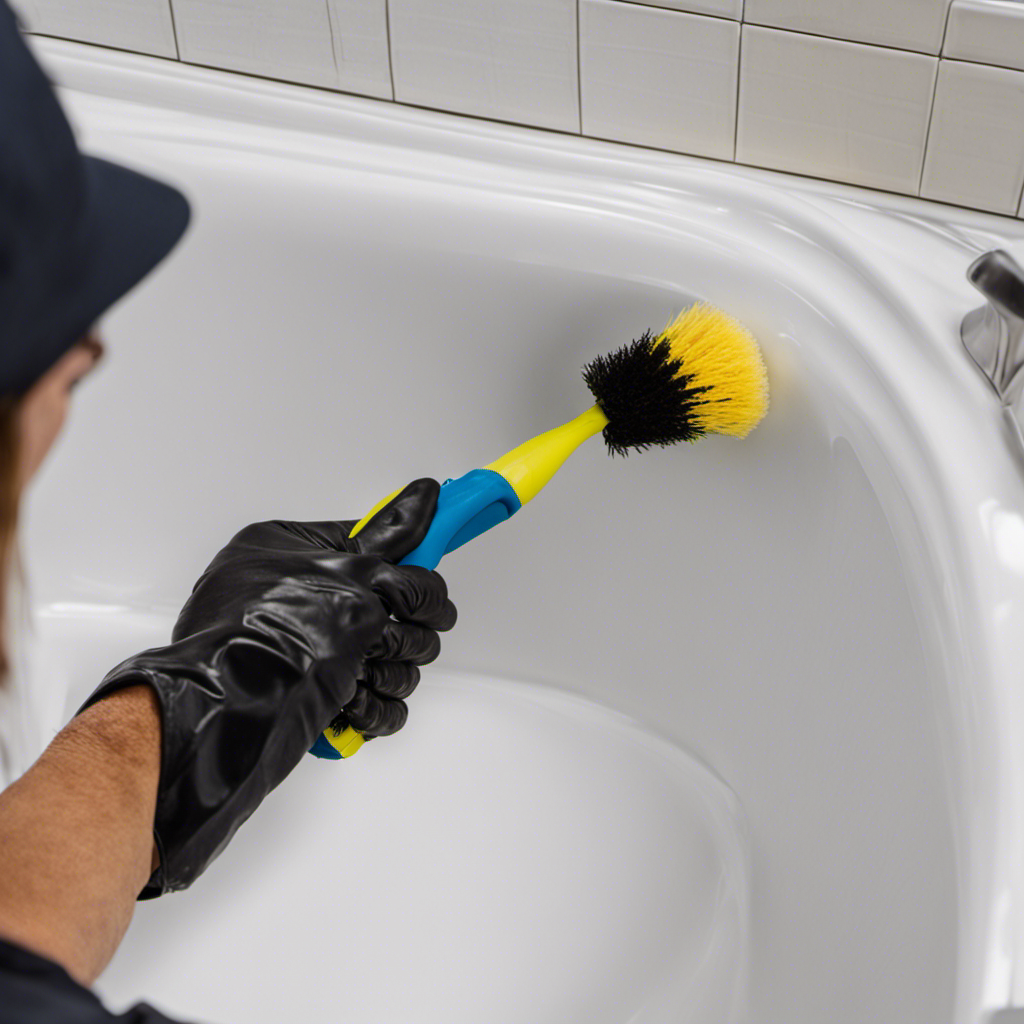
<point x="703" y="374"/>
<point x="639" y="391"/>
<point x="720" y="354"/>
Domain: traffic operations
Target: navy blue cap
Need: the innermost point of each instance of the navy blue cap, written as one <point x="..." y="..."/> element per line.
<point x="76" y="232"/>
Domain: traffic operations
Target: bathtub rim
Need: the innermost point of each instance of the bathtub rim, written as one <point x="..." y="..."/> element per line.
<point x="608" y="170"/>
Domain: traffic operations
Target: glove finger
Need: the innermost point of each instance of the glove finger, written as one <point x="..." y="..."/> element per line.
<point x="375" y="716"/>
<point x="405" y="641"/>
<point x="338" y="679"/>
<point x="329" y="534"/>
<point x="394" y="679"/>
<point x="413" y="593"/>
<point x="345" y="526"/>
<point x="400" y="526"/>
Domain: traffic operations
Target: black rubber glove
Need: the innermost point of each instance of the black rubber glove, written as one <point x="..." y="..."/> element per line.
<point x="273" y="643"/>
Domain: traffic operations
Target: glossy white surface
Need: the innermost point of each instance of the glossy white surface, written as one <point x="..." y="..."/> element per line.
<point x="987" y="31"/>
<point x="546" y="862"/>
<point x="975" y="143"/>
<point x="1012" y="1016"/>
<point x="833" y="109"/>
<point x="658" y="78"/>
<point x="509" y="61"/>
<point x="141" y="25"/>
<point x="908" y="24"/>
<point x="332" y="44"/>
<point x="828" y="614"/>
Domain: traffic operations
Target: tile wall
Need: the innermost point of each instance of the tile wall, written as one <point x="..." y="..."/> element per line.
<point x="920" y="97"/>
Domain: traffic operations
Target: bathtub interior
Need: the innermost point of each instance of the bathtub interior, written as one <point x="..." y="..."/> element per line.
<point x="327" y="332"/>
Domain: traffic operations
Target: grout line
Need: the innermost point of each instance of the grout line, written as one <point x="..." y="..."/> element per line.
<point x="330" y="29"/>
<point x="330" y="90"/>
<point x="579" y="69"/>
<point x="725" y="161"/>
<point x="935" y="92"/>
<point x="945" y="26"/>
<point x="866" y="188"/>
<point x="850" y="42"/>
<point x="928" y="129"/>
<point x="983" y="64"/>
<point x="391" y="59"/>
<point x="174" y="29"/>
<point x="739" y="85"/>
<point x="568" y="133"/>
<point x="679" y="10"/>
<point x="1017" y="211"/>
<point x="104" y="46"/>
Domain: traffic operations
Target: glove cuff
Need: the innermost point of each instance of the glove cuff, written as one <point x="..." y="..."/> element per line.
<point x="231" y="730"/>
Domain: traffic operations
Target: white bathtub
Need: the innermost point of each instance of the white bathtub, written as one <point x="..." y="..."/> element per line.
<point x="725" y="732"/>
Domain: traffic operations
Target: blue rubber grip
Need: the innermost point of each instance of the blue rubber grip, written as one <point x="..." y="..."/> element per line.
<point x="466" y="507"/>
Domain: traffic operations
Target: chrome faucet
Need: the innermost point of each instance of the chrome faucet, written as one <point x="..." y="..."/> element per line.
<point x="993" y="334"/>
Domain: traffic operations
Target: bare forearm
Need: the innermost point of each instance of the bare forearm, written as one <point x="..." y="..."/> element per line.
<point x="76" y="834"/>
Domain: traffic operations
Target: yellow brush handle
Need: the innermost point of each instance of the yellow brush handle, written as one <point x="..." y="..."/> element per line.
<point x="349" y="740"/>
<point x="373" y="511"/>
<point x="526" y="469"/>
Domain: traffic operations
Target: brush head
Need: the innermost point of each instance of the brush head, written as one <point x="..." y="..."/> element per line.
<point x="703" y="374"/>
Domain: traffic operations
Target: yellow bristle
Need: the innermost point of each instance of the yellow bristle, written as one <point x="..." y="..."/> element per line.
<point x="719" y="352"/>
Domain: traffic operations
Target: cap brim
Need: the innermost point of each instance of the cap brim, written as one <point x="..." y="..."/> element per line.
<point x="130" y="223"/>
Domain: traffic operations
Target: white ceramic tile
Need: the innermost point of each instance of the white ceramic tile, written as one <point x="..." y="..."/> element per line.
<point x="141" y="25"/>
<point x="908" y="24"/>
<point x="658" y="78"/>
<point x="341" y="44"/>
<point x="833" y="109"/>
<point x="513" y="61"/>
<point x="288" y="39"/>
<point x="720" y="8"/>
<point x="976" y="146"/>
<point x="359" y="31"/>
<point x="987" y="31"/>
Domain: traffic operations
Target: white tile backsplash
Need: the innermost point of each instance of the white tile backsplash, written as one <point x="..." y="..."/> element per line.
<point x="509" y="61"/>
<point x="359" y="33"/>
<point x="141" y="25"/>
<point x="976" y="146"/>
<point x="908" y="24"/>
<point x="987" y="31"/>
<point x="719" y="8"/>
<point x="288" y="39"/>
<point x="833" y="109"/>
<point x="658" y="78"/>
<point x="340" y="44"/>
<point x="836" y="89"/>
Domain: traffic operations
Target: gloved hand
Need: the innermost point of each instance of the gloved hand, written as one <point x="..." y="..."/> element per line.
<point x="274" y="641"/>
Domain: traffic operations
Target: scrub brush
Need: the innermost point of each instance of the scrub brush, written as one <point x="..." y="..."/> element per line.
<point x="703" y="374"/>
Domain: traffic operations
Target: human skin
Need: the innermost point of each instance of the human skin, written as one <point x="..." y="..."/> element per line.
<point x="76" y="830"/>
<point x="44" y="407"/>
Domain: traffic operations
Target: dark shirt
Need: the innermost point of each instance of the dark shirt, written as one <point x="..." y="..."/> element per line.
<point x="34" y="990"/>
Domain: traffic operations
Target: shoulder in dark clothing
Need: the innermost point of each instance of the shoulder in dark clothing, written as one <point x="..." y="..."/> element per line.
<point x="34" y="990"/>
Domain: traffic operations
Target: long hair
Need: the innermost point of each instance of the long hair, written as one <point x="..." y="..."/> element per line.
<point x="10" y="560"/>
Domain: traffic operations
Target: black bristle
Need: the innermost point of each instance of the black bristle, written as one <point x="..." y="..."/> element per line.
<point x="645" y="401"/>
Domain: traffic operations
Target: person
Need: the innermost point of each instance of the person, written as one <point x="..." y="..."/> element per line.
<point x="290" y="623"/>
